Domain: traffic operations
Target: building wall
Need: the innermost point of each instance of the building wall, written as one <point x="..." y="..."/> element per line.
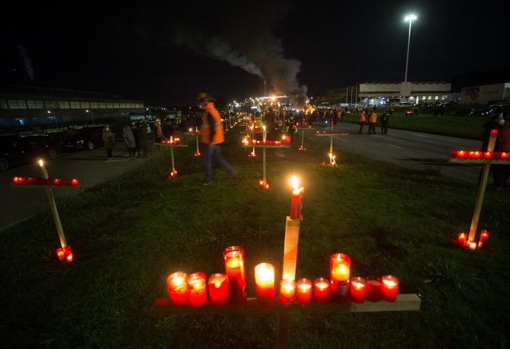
<point x="415" y="92"/>
<point x="485" y="94"/>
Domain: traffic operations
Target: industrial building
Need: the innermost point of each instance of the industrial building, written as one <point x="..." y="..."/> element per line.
<point x="486" y="94"/>
<point x="409" y="92"/>
<point x="42" y="107"/>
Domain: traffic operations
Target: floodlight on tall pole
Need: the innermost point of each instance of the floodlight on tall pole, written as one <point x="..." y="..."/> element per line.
<point x="409" y="19"/>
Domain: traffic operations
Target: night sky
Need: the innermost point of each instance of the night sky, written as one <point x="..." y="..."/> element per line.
<point x="130" y="51"/>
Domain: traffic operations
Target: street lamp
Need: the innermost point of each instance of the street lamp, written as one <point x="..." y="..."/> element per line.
<point x="410" y="19"/>
<point x="56" y="120"/>
<point x="92" y="114"/>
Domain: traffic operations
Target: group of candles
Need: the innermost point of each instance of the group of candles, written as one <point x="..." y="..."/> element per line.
<point x="195" y="130"/>
<point x="472" y="245"/>
<point x="230" y="287"/>
<point x="42" y="181"/>
<point x="254" y="142"/>
<point x="172" y="140"/>
<point x="65" y="254"/>
<point x="465" y="154"/>
<point x="332" y="132"/>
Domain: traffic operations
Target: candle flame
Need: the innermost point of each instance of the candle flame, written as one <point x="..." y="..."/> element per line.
<point x="233" y="263"/>
<point x="389" y="283"/>
<point x="323" y="286"/>
<point x="217" y="285"/>
<point x="295" y="182"/>
<point x="178" y="281"/>
<point x="288" y="286"/>
<point x="41" y="163"/>
<point x="358" y="285"/>
<point x="304" y="287"/>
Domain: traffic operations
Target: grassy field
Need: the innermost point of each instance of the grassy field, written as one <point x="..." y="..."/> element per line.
<point x="131" y="232"/>
<point x="448" y="125"/>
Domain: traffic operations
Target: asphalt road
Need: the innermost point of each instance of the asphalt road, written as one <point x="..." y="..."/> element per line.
<point x="415" y="150"/>
<point x="89" y="167"/>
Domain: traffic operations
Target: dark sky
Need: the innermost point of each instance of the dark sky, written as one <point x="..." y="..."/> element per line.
<point x="130" y="52"/>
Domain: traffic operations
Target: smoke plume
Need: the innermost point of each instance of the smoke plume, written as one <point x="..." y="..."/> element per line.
<point x="26" y="62"/>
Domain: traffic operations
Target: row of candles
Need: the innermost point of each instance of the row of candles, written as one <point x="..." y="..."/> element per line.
<point x="489" y="155"/>
<point x="333" y="132"/>
<point x="472" y="245"/>
<point x="42" y="181"/>
<point x="172" y="140"/>
<point x="230" y="287"/>
<point x="254" y="142"/>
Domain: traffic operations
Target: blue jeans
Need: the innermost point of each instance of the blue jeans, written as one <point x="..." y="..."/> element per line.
<point x="210" y="151"/>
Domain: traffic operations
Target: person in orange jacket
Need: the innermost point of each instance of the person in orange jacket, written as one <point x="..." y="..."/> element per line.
<point x="372" y="120"/>
<point x="362" y="120"/>
<point x="212" y="136"/>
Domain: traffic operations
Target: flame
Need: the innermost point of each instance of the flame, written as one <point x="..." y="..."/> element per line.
<point x="41" y="163"/>
<point x="295" y="182"/>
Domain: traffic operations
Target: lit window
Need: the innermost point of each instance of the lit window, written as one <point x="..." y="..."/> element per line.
<point x="123" y="105"/>
<point x="85" y="105"/>
<point x="35" y="104"/>
<point x="116" y="105"/>
<point x="94" y="105"/>
<point x="51" y="104"/>
<point x="436" y="98"/>
<point x="64" y="105"/>
<point x="430" y="97"/>
<point x="102" y="105"/>
<point x="109" y="105"/>
<point x="75" y="105"/>
<point x="17" y="104"/>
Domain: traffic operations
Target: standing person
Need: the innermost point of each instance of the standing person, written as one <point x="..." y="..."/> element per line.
<point x="362" y="120"/>
<point x="270" y="124"/>
<point x="372" y="122"/>
<point x="212" y="137"/>
<point x="142" y="139"/>
<point x="134" y="128"/>
<point x="109" y="141"/>
<point x="158" y="131"/>
<point x="385" y="119"/>
<point x="129" y="140"/>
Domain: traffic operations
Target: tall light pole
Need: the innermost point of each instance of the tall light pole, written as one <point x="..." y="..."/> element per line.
<point x="92" y="114"/>
<point x="410" y="19"/>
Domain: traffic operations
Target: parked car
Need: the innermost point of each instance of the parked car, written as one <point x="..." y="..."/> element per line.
<point x="25" y="148"/>
<point x="492" y="110"/>
<point x="87" y="138"/>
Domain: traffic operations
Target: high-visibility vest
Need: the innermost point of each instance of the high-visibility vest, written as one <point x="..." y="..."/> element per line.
<point x="206" y="128"/>
<point x="362" y="117"/>
<point x="373" y="118"/>
<point x="258" y="120"/>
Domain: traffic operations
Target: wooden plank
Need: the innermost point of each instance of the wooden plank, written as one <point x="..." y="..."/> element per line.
<point x="290" y="248"/>
<point x="478" y="161"/>
<point x="404" y="302"/>
<point x="171" y="145"/>
<point x="37" y="186"/>
<point x="265" y="146"/>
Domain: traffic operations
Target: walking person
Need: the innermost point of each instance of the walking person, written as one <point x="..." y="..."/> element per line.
<point x="212" y="137"/>
<point x="385" y="119"/>
<point x="372" y="120"/>
<point x="129" y="140"/>
<point x="109" y="141"/>
<point x="362" y="120"/>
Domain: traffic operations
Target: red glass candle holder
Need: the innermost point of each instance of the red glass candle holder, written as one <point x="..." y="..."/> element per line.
<point x="471" y="245"/>
<point x="287" y="292"/>
<point x="462" y="154"/>
<point x="197" y="292"/>
<point x="340" y="272"/>
<point x="373" y="289"/>
<point x="177" y="290"/>
<point x="234" y="266"/>
<point x="484" y="236"/>
<point x="389" y="288"/>
<point x="494" y="133"/>
<point x="462" y="240"/>
<point x="264" y="283"/>
<point x="358" y="289"/>
<point x="218" y="289"/>
<point x="304" y="291"/>
<point x="321" y="290"/>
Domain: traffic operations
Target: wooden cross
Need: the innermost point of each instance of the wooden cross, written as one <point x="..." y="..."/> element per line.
<point x="65" y="252"/>
<point x="331" y="134"/>
<point x="264" y="145"/>
<point x="303" y="128"/>
<point x="486" y="158"/>
<point x="171" y="144"/>
<point x="195" y="133"/>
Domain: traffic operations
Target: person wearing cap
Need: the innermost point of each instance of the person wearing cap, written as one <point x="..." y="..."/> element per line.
<point x="212" y="137"/>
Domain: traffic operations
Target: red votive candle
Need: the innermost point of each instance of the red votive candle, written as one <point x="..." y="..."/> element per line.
<point x="454" y="154"/>
<point x="462" y="240"/>
<point x="264" y="283"/>
<point x="321" y="290"/>
<point x="297" y="194"/>
<point x="177" y="291"/>
<point x="197" y="292"/>
<point x="340" y="272"/>
<point x="462" y="154"/>
<point x="494" y="133"/>
<point x="234" y="266"/>
<point x="487" y="155"/>
<point x="389" y="288"/>
<point x="218" y="289"/>
<point x="504" y="156"/>
<point x="287" y="292"/>
<point x="373" y="289"/>
<point x="304" y="291"/>
<point x="484" y="236"/>
<point x="358" y="289"/>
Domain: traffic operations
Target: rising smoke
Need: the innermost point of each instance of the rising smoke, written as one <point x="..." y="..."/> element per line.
<point x="246" y="40"/>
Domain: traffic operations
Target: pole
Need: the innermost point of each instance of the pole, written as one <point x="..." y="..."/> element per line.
<point x="53" y="207"/>
<point x="198" y="149"/>
<point x="264" y="165"/>
<point x="408" y="46"/>
<point x="303" y="138"/>
<point x="331" y="150"/>
<point x="172" y="154"/>
<point x="481" y="192"/>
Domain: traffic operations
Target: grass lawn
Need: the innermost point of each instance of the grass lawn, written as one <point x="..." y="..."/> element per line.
<point x="130" y="233"/>
<point x="448" y="125"/>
